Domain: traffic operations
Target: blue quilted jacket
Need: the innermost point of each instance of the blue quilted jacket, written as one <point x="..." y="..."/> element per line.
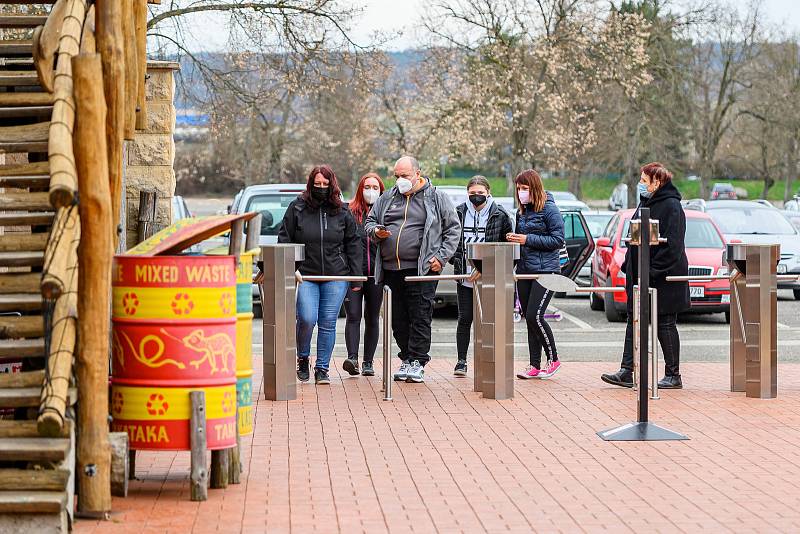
<point x="545" y="231"/>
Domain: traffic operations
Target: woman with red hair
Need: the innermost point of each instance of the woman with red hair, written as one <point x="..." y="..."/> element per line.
<point x="365" y="301"/>
<point x="657" y="192"/>
<point x="319" y="220"/>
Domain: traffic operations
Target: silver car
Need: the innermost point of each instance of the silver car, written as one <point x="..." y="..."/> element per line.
<point x="743" y="221"/>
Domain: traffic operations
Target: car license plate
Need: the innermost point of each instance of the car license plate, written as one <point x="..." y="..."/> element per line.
<point x="782" y="268"/>
<point x="697" y="292"/>
<point x="726" y="299"/>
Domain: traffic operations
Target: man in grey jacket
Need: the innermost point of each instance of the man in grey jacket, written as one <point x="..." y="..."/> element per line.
<point x="417" y="230"/>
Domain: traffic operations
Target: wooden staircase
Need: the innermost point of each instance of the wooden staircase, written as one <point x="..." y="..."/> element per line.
<point x="36" y="467"/>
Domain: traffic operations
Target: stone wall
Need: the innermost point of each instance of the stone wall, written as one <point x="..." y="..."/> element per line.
<point x="151" y="154"/>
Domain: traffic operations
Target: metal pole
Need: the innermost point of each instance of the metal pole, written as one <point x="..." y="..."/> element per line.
<point x="387" y="343"/>
<point x="644" y="311"/>
<point x="654" y="356"/>
<point x="636" y="347"/>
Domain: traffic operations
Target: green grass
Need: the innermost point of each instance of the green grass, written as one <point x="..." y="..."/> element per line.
<point x="600" y="189"/>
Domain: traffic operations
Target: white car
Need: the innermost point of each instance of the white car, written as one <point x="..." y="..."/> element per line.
<point x="743" y="221"/>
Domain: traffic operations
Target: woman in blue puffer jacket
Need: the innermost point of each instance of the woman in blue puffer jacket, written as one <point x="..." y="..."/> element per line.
<point x="540" y="233"/>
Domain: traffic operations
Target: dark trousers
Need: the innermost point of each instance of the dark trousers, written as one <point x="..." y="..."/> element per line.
<point x="366" y="303"/>
<point x="464" y="326"/>
<point x="534" y="300"/>
<point x="668" y="338"/>
<point x="412" y="313"/>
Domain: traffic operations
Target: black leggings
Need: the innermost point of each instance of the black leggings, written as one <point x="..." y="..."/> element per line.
<point x="668" y="338"/>
<point x="534" y="300"/>
<point x="464" y="327"/>
<point x="365" y="303"/>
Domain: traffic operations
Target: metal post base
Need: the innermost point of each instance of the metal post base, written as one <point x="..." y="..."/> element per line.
<point x="640" y="432"/>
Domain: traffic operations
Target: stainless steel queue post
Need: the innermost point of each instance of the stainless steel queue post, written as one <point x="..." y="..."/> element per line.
<point x="644" y="233"/>
<point x="493" y="322"/>
<point x="754" y="323"/>
<point x="278" y="294"/>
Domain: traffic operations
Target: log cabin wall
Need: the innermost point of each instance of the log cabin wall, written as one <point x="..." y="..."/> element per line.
<point x="151" y="154"/>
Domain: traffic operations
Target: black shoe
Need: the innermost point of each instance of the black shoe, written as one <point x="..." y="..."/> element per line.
<point x="321" y="377"/>
<point x="367" y="370"/>
<point x="670" y="382"/>
<point x="351" y="366"/>
<point x="623" y="378"/>
<point x="461" y="368"/>
<point x="302" y="369"/>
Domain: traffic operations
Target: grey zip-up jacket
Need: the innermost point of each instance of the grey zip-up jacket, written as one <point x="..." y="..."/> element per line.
<point x="440" y="237"/>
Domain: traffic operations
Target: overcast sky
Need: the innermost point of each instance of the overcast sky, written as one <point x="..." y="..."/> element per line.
<point x="392" y="15"/>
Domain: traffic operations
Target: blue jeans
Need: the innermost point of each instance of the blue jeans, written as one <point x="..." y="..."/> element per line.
<point x="318" y="303"/>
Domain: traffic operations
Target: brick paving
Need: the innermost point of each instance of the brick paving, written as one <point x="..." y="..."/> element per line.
<point x="441" y="459"/>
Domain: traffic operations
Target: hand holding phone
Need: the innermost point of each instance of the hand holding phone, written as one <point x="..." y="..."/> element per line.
<point x="381" y="232"/>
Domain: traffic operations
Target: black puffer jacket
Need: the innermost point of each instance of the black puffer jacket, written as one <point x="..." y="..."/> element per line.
<point x="370" y="249"/>
<point x="666" y="259"/>
<point x="331" y="239"/>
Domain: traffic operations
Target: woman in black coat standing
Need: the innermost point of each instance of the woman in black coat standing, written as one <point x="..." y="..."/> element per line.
<point x="657" y="192"/>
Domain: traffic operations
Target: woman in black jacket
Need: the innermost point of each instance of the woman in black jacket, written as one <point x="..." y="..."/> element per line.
<point x="319" y="220"/>
<point x="364" y="302"/>
<point x="657" y="192"/>
<point x="482" y="220"/>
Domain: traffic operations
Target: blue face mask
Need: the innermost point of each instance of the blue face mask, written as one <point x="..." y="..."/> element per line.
<point x="643" y="192"/>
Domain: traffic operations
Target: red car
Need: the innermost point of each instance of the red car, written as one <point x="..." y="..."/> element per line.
<point x="704" y="247"/>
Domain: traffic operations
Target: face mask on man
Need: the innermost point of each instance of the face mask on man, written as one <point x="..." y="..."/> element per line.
<point x="643" y="192"/>
<point x="371" y="195"/>
<point x="404" y="185"/>
<point x="477" y="200"/>
<point x="524" y="196"/>
<point x="319" y="193"/>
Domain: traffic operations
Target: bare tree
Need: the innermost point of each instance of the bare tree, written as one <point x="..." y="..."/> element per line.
<point x="719" y="80"/>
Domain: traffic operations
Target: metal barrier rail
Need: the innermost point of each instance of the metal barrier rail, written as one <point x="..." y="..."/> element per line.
<point x="387" y="343"/>
<point x="437" y="277"/>
<point x="569" y="284"/>
<point x="315" y="278"/>
<point x="779" y="277"/>
<point x="654" y="356"/>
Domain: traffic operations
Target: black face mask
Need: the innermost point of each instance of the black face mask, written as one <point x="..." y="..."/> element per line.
<point x="319" y="193"/>
<point x="477" y="200"/>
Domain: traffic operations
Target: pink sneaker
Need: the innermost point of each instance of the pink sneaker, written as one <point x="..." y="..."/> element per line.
<point x="551" y="369"/>
<point x="530" y="372"/>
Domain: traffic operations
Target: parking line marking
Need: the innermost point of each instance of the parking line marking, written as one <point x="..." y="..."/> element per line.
<point x="583" y="325"/>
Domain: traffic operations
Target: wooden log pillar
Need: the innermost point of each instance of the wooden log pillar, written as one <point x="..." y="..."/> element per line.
<point x="119" y="463"/>
<point x="140" y="24"/>
<point x="253" y="233"/>
<point x="197" y="438"/>
<point x="147" y="215"/>
<point x="53" y="404"/>
<point x="131" y="67"/>
<point x="93" y="468"/>
<point x="219" y="469"/>
<point x="110" y="47"/>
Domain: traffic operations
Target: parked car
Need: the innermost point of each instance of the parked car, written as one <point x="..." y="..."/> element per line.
<point x="792" y="205"/>
<point x="793" y="217"/>
<point x="597" y="222"/>
<point x="723" y="191"/>
<point x="563" y="195"/>
<point x="705" y="245"/>
<point x="619" y="198"/>
<point x="743" y="221"/>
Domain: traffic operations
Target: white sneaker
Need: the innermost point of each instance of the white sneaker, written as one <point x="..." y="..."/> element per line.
<point x="416" y="373"/>
<point x="402" y="372"/>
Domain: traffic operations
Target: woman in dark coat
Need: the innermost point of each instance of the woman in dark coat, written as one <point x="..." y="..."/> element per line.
<point x="657" y="192"/>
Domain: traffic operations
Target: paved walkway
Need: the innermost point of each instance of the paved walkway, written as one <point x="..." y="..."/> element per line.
<point x="441" y="459"/>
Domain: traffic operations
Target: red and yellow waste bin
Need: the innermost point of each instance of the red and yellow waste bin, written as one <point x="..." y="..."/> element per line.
<point x="174" y="331"/>
<point x="244" y="337"/>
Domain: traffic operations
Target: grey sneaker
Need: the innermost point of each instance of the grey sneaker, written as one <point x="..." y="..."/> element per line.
<point x="402" y="372"/>
<point x="416" y="373"/>
<point x="351" y="366"/>
<point x="461" y="368"/>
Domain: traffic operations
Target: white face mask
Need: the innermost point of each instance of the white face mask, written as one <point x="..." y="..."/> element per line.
<point x="404" y="185"/>
<point x="371" y="195"/>
<point x="524" y="196"/>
